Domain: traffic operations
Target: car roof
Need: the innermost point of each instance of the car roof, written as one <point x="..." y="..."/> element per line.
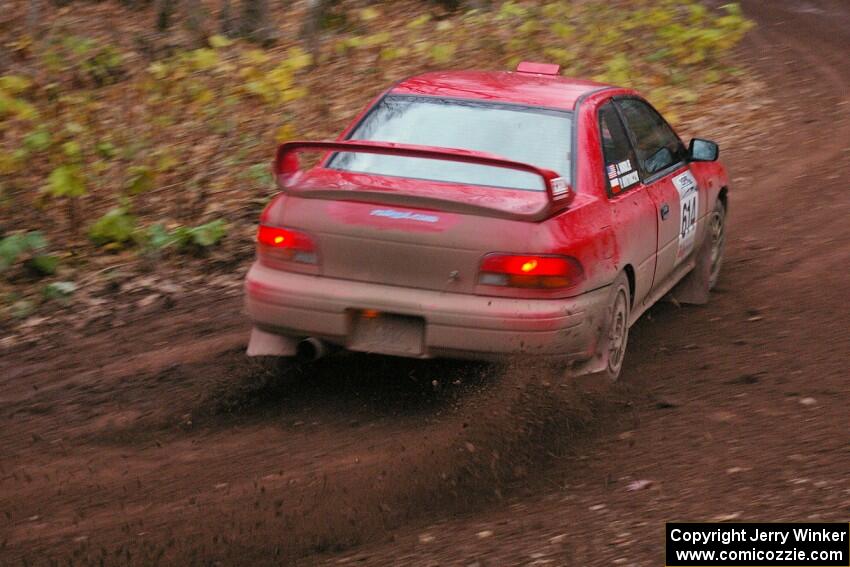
<point x="532" y="89"/>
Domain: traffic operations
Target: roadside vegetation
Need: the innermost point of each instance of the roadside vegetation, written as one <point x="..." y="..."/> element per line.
<point x="130" y="143"/>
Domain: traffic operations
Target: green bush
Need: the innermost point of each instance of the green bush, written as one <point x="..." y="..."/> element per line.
<point x="84" y="60"/>
<point x="114" y="228"/>
<point x="203" y="236"/>
<point x="27" y="247"/>
<point x="66" y="181"/>
<point x="157" y="237"/>
<point x="140" y="179"/>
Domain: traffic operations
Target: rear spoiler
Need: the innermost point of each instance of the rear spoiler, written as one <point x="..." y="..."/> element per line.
<point x="558" y="191"/>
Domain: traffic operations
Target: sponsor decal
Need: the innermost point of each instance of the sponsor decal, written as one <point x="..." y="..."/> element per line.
<point x="403" y="215"/>
<point x="560" y="187"/>
<point x="686" y="185"/>
<point x="624" y="167"/>
<point x="615" y="185"/>
<point x="629" y="179"/>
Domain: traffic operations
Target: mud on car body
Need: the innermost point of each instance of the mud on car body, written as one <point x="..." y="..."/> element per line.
<point x="486" y="214"/>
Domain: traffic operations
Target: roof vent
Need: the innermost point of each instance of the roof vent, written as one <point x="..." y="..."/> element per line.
<point x="538" y="68"/>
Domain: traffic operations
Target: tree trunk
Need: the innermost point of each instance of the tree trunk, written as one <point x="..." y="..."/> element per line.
<point x="310" y="31"/>
<point x="254" y="23"/>
<point x="225" y="18"/>
<point x="34" y="17"/>
<point x="195" y="20"/>
<point x="479" y="4"/>
<point x="164" y="14"/>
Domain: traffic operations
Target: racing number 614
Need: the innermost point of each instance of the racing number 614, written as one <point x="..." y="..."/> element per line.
<point x="689" y="209"/>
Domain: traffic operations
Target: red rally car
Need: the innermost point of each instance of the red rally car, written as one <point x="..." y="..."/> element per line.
<point x="486" y="214"/>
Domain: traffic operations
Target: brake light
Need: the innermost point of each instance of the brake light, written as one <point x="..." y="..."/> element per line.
<point x="541" y="272"/>
<point x="276" y="243"/>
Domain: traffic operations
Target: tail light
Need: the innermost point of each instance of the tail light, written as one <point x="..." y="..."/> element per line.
<point x="276" y="245"/>
<point x="538" y="272"/>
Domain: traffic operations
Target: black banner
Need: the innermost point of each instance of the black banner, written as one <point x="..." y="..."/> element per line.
<point x="758" y="545"/>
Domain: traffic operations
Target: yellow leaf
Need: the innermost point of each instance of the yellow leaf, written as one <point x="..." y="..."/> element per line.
<point x="204" y="96"/>
<point x="24" y="110"/>
<point x="285" y="133"/>
<point x="280" y="77"/>
<point x="260" y="89"/>
<point x="294" y="94"/>
<point x="528" y="27"/>
<point x="9" y="163"/>
<point x="392" y="53"/>
<point x="369" y="14"/>
<point x="14" y="84"/>
<point x="562" y="30"/>
<point x="249" y="72"/>
<point x="218" y="41"/>
<point x="297" y="58"/>
<point x="256" y="56"/>
<point x="377" y="39"/>
<point x="158" y="70"/>
<point x="419" y="22"/>
<point x="166" y="163"/>
<point x="443" y="52"/>
<point x="225" y="68"/>
<point x="204" y="59"/>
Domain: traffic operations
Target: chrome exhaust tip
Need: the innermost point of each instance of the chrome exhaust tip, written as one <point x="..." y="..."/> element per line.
<point x="311" y="349"/>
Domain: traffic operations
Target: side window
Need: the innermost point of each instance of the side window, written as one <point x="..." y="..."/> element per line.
<point x="656" y="144"/>
<point x="620" y="165"/>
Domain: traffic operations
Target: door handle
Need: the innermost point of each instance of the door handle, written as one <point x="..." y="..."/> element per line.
<point x="665" y="210"/>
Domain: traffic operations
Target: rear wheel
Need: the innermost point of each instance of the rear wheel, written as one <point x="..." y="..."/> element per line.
<point x="616" y="333"/>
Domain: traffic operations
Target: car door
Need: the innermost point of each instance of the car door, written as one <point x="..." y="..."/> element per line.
<point x="661" y="162"/>
<point x="632" y="208"/>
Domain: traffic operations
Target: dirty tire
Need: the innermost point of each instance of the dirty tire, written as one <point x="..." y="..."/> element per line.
<point x="716" y="241"/>
<point x="616" y="332"/>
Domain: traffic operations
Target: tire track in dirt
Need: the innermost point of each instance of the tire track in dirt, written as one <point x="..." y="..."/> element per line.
<point x="482" y="441"/>
<point x="803" y="122"/>
<point x="486" y="447"/>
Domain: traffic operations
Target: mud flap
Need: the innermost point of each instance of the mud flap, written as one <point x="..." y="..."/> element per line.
<point x="693" y="288"/>
<point x="597" y="363"/>
<point x="590" y="367"/>
<point x="262" y="343"/>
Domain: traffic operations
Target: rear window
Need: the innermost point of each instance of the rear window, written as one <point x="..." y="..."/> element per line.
<point x="536" y="136"/>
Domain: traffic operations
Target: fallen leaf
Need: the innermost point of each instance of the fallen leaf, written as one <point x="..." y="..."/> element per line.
<point x="638" y="485"/>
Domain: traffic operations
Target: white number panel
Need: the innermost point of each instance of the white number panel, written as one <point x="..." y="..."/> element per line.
<point x="686" y="185"/>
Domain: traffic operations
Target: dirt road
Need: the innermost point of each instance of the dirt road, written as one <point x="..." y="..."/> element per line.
<point x="159" y="442"/>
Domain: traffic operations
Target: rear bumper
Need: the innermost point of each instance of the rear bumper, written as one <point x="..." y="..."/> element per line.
<point x="456" y="325"/>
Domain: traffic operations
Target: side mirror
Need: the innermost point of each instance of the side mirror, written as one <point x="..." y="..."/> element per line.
<point x="703" y="150"/>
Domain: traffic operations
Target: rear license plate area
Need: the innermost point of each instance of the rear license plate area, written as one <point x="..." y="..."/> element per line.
<point x="387" y="333"/>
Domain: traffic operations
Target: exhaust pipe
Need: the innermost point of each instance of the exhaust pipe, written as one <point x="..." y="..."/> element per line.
<point x="311" y="349"/>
